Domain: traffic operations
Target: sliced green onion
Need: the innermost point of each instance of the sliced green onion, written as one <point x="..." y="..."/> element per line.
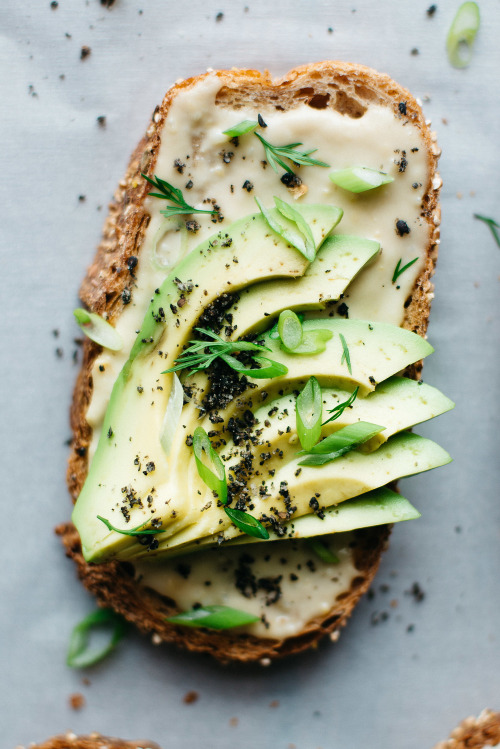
<point x="79" y="653"/>
<point x="216" y="479"/>
<point x="268" y="367"/>
<point x="398" y="269"/>
<point x="177" y="225"/>
<point x="247" y="523"/>
<point x="290" y="329"/>
<point x="340" y="442"/>
<point x="461" y="35"/>
<point x="322" y="551"/>
<point x="98" y="330"/>
<point x="274" y="334"/>
<point x="313" y="342"/>
<point x="133" y="531"/>
<point x="493" y="225"/>
<point x="241" y="128"/>
<point x="214" y="617"/>
<point x="294" y="234"/>
<point x="341" y="407"/>
<point x="346" y="357"/>
<point x="172" y="415"/>
<point x="360" y="178"/>
<point x="308" y="410"/>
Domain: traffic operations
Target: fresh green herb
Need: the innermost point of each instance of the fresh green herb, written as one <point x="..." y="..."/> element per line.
<point x="345" y="353"/>
<point x="174" y="195"/>
<point x="494" y="226"/>
<point x="462" y="33"/>
<point x="299" y="234"/>
<point x="398" y="270"/>
<point x="98" y="329"/>
<point x="241" y="128"/>
<point x="276" y="154"/>
<point x="215" y="479"/>
<point x="308" y="411"/>
<point x="322" y="551"/>
<point x="360" y="178"/>
<point x="268" y="367"/>
<point x="247" y="523"/>
<point x="79" y="653"/>
<point x="339" y="443"/>
<point x="314" y="342"/>
<point x="341" y="407"/>
<point x="213" y="617"/>
<point x="290" y="329"/>
<point x="200" y="354"/>
<point x="133" y="531"/>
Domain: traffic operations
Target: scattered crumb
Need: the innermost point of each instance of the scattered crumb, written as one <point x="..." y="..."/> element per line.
<point x="476" y="284"/>
<point x="107" y="3"/>
<point x="458" y="528"/>
<point x="444" y="120"/>
<point x="59" y="353"/>
<point x="76" y="701"/>
<point x="82" y="198"/>
<point x="330" y="30"/>
<point x="460" y="195"/>
<point x="85" y="52"/>
<point x="233" y="722"/>
<point x="31" y="90"/>
<point x="156" y="639"/>
<point x="377" y="617"/>
<point x="190" y="697"/>
<point x="394" y="603"/>
<point x="86" y="681"/>
<point x="219" y="16"/>
<point x="274" y="703"/>
<point x="472" y="193"/>
<point x="101" y="120"/>
<point x="54" y="4"/>
<point x="62" y="77"/>
<point x="68" y="36"/>
<point x="415" y="51"/>
<point x="410" y="627"/>
<point x="417" y="593"/>
<point x="55" y="332"/>
<point x="431" y="10"/>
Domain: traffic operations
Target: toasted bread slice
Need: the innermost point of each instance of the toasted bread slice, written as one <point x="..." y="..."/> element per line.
<point x="93" y="741"/>
<point x="474" y="733"/>
<point x="350" y="90"/>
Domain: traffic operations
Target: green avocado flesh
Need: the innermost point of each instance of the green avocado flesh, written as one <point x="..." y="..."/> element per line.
<point x="132" y="480"/>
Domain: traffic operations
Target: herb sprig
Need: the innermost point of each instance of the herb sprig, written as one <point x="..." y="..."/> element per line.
<point x="341" y="407"/>
<point x="493" y="225"/>
<point x="346" y="357"/>
<point x="398" y="270"/>
<point x="133" y="531"/>
<point x="175" y="196"/>
<point x="80" y="653"/>
<point x="276" y="154"/>
<point x="200" y="355"/>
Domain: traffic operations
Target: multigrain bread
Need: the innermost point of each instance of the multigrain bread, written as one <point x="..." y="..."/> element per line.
<point x="92" y="741"/>
<point x="475" y="733"/>
<point x="350" y="90"/>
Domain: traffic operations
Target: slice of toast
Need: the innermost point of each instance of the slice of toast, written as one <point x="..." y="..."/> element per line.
<point x="350" y="90"/>
<point x="92" y="741"/>
<point x="475" y="733"/>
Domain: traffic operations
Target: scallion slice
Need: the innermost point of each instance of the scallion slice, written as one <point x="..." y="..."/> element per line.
<point x="299" y="234"/>
<point x="461" y="35"/>
<point x="241" y="128"/>
<point x="216" y="479"/>
<point x="79" y="653"/>
<point x="98" y="330"/>
<point x="339" y="443"/>
<point x="172" y="415"/>
<point x="247" y="523"/>
<point x="360" y="178"/>
<point x="214" y="617"/>
<point x="322" y="551"/>
<point x="290" y="329"/>
<point x="313" y="342"/>
<point x="268" y="368"/>
<point x="308" y="410"/>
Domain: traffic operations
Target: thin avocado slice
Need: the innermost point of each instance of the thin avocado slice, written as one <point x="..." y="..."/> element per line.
<point x="246" y="252"/>
<point x="337" y="263"/>
<point x="351" y="475"/>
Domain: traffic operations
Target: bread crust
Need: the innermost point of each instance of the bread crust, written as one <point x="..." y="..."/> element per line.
<point x="93" y="741"/>
<point x="474" y="733"/>
<point x="350" y="89"/>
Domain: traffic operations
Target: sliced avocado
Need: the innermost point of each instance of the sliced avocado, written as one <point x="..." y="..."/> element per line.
<point x="337" y="263"/>
<point x="351" y="475"/>
<point x="129" y="454"/>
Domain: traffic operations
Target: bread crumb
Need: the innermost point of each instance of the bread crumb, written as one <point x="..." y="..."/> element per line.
<point x="190" y="697"/>
<point x="76" y="701"/>
<point x="156" y="639"/>
<point x="234" y="722"/>
<point x="444" y="120"/>
<point x="85" y="52"/>
<point x="460" y="195"/>
<point x="274" y="703"/>
<point x="394" y="603"/>
<point x="265" y="661"/>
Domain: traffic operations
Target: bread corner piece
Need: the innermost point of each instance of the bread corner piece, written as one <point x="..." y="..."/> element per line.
<point x="351" y="90"/>
<point x="93" y="741"/>
<point x="475" y="733"/>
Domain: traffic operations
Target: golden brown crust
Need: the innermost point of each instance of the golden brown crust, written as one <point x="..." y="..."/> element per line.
<point x="349" y="89"/>
<point x="93" y="741"/>
<point x="474" y="733"/>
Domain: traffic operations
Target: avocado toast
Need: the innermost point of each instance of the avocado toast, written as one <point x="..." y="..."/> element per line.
<point x="193" y="264"/>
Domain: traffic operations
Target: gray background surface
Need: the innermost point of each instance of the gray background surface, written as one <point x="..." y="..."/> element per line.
<point x="380" y="685"/>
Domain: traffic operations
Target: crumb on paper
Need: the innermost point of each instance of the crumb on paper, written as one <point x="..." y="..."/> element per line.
<point x="233" y="722"/>
<point x="85" y="52"/>
<point x="76" y="701"/>
<point x="191" y="697"/>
